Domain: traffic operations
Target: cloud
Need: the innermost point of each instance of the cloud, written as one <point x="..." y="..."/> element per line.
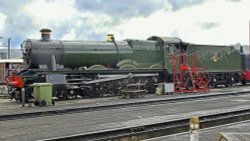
<point x="49" y="13"/>
<point x="16" y="24"/>
<point x="89" y="20"/>
<point x="25" y="19"/>
<point x="121" y="8"/>
<point x="56" y="15"/>
<point x="99" y="17"/>
<point x="234" y="0"/>
<point x="198" y="21"/>
<point x="179" y="4"/>
<point x="208" y="25"/>
<point x="213" y="22"/>
<point x="2" y="22"/>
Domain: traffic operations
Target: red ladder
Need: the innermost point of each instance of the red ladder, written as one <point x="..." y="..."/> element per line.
<point x="188" y="79"/>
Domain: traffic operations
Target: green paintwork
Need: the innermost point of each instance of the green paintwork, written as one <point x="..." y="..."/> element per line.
<point x="80" y="54"/>
<point x="138" y="56"/>
<point x="215" y="58"/>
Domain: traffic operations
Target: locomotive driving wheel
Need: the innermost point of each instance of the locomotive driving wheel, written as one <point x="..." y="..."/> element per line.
<point x="96" y="90"/>
<point x="150" y="87"/>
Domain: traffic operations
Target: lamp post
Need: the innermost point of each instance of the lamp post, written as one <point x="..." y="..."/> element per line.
<point x="9" y="47"/>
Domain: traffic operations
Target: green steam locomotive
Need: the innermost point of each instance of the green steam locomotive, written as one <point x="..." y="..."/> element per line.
<point x="96" y="68"/>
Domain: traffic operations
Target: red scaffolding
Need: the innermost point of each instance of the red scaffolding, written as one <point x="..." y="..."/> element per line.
<point x="187" y="77"/>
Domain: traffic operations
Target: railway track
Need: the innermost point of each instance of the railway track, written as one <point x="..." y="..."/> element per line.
<point x="79" y="109"/>
<point x="132" y="119"/>
<point x="158" y="129"/>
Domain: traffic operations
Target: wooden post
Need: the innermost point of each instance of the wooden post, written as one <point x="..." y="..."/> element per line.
<point x="194" y="126"/>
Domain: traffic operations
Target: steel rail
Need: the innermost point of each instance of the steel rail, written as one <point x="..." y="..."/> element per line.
<point x="79" y="109"/>
<point x="158" y="129"/>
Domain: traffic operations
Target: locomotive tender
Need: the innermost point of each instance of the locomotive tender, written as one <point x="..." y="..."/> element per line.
<point x="93" y="68"/>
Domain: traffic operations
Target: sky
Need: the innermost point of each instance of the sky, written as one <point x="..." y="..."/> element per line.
<point x="221" y="22"/>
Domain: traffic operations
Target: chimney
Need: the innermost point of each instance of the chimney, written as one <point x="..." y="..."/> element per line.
<point x="45" y="34"/>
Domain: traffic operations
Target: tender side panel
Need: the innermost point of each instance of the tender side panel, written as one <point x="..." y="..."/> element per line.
<point x="216" y="58"/>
